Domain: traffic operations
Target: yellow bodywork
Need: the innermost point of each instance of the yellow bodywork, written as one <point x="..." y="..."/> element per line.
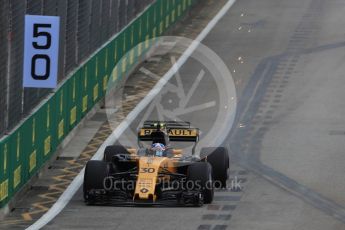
<point x="149" y="168"/>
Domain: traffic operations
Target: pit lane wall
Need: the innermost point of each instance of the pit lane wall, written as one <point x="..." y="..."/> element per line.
<point x="25" y="150"/>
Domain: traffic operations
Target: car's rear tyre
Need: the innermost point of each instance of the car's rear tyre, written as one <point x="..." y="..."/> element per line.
<point x="200" y="174"/>
<point x="94" y="175"/>
<point x="220" y="161"/>
<point x="112" y="150"/>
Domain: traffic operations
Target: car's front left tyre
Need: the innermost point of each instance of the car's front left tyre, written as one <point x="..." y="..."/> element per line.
<point x="199" y="175"/>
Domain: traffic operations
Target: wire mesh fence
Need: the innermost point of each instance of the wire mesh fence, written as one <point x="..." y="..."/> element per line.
<point x="84" y="26"/>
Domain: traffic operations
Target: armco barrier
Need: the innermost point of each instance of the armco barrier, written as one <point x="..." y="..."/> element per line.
<point x="5" y="188"/>
<point x="25" y="150"/>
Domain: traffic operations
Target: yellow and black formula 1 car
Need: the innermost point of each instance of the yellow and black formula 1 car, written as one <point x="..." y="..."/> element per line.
<point x="160" y="174"/>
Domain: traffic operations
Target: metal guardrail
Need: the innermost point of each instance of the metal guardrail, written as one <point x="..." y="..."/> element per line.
<point x="85" y="26"/>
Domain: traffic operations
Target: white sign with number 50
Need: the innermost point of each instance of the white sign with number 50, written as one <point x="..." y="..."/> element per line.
<point x="41" y="51"/>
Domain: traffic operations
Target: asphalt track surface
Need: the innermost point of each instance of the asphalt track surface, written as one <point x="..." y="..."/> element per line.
<point x="286" y="58"/>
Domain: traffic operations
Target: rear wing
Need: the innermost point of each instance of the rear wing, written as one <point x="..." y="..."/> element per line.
<point x="176" y="131"/>
<point x="180" y="134"/>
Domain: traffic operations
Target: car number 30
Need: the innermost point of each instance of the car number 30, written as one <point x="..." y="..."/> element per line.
<point x="147" y="170"/>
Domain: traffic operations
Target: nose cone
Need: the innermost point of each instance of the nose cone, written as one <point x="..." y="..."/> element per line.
<point x="147" y="177"/>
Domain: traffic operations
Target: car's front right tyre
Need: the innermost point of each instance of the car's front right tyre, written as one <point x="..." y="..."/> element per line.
<point x="94" y="177"/>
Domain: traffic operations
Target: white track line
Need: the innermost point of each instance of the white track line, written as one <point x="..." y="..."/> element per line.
<point x="78" y="181"/>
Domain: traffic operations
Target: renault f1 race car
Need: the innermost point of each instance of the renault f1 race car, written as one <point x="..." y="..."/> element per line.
<point x="157" y="174"/>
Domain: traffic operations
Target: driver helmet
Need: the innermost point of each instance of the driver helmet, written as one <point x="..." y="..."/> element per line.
<point x="158" y="149"/>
